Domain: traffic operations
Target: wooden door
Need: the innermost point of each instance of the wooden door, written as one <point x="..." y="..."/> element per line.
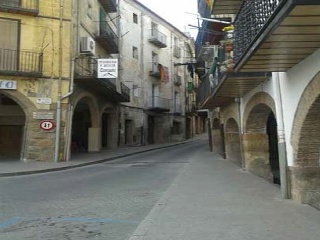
<point x="10" y="140"/>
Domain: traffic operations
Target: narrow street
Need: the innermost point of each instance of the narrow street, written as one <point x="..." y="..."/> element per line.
<point x="181" y="192"/>
<point x="104" y="201"/>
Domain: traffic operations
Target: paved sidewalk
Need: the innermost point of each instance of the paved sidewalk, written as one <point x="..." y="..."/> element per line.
<point x="15" y="167"/>
<point x="212" y="199"/>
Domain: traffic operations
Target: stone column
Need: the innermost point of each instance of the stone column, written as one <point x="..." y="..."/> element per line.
<point x="94" y="139"/>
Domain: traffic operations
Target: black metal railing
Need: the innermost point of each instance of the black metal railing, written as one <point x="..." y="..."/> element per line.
<point x="159" y="102"/>
<point x="177" y="108"/>
<point x="20" y="62"/>
<point x="109" y="5"/>
<point x="85" y="66"/>
<point x="205" y="89"/>
<point x="106" y="31"/>
<point x="158" y="38"/>
<point x="20" y="5"/>
<point x="125" y="91"/>
<point x="252" y="18"/>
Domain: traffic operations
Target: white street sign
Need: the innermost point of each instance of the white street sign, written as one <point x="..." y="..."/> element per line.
<point x="108" y="68"/>
<point x="8" y="84"/>
<point x="44" y="100"/>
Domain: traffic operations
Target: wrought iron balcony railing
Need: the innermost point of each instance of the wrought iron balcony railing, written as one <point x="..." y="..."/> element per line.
<point x="30" y="7"/>
<point x="159" y="71"/>
<point x="250" y="21"/>
<point x="177" y="108"/>
<point x="109" y="5"/>
<point x="125" y="91"/>
<point x="158" y="38"/>
<point x="86" y="68"/>
<point x="16" y="62"/>
<point x="108" y="38"/>
<point x="160" y="104"/>
<point x="85" y="75"/>
<point x="204" y="91"/>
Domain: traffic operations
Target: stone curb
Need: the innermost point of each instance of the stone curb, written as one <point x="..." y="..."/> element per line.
<point x="55" y="169"/>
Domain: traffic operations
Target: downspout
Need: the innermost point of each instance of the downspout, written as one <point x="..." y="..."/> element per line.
<point x="59" y="97"/>
<point x="71" y="87"/>
<point x="282" y="143"/>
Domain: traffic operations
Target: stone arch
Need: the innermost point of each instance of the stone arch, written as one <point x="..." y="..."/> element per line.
<point x="93" y="106"/>
<point x="85" y="130"/>
<point x="21" y="127"/>
<point x="266" y="105"/>
<point x="256" y="140"/>
<point x="24" y="102"/>
<point x="232" y="141"/>
<point x="305" y="140"/>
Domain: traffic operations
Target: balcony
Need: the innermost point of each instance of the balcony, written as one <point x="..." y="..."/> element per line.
<point x="107" y="38"/>
<point x="275" y="35"/>
<point x="177" y="80"/>
<point x="176" y="51"/>
<point x="125" y="91"/>
<point x="157" y="38"/>
<point x="27" y="7"/>
<point x="191" y="109"/>
<point x="159" y="72"/>
<point x="221" y="85"/>
<point x="20" y="63"/>
<point x="223" y="7"/>
<point x="158" y="104"/>
<point x="177" y="109"/>
<point x="85" y="76"/>
<point x="109" y="5"/>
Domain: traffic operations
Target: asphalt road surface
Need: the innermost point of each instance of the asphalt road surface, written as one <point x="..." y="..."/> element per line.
<point x="103" y="201"/>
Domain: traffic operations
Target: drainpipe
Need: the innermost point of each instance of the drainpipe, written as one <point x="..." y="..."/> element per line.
<point x="69" y="122"/>
<point x="71" y="86"/>
<point x="282" y="143"/>
<point x="58" y="113"/>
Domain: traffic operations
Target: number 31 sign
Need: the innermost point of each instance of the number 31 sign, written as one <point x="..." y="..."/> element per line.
<point x="47" y="125"/>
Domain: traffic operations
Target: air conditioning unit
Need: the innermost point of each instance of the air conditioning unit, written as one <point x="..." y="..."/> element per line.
<point x="87" y="45"/>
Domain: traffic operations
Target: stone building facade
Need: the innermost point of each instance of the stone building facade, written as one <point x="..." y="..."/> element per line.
<point x="86" y="75"/>
<point x="264" y="98"/>
<point x="155" y="57"/>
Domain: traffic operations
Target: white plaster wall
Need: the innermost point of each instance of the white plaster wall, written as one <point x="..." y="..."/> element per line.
<point x="135" y="72"/>
<point x="292" y="85"/>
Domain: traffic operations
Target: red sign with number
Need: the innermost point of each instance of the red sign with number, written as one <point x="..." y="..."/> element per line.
<point x="47" y="125"/>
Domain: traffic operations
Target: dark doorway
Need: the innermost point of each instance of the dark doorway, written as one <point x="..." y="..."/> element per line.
<point x="272" y="131"/>
<point x="12" y="122"/>
<point x="128" y="132"/>
<point x="104" y="130"/>
<point x="150" y="129"/>
<point x="188" y="128"/>
<point x="81" y="122"/>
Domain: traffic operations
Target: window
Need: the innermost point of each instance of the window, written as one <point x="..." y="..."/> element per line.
<point x="9" y="42"/>
<point x="135" y="18"/>
<point x="135" y="53"/>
